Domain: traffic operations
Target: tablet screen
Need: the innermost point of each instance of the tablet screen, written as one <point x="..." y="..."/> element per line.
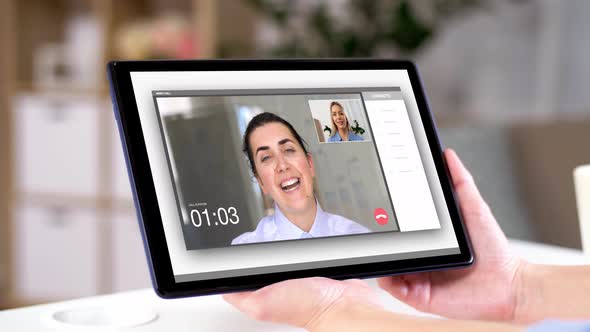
<point x="259" y="172"/>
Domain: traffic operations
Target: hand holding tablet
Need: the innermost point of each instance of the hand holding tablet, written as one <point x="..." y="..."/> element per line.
<point x="484" y="291"/>
<point x="246" y="173"/>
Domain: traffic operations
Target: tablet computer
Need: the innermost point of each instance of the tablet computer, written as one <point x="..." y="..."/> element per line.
<point x="249" y="172"/>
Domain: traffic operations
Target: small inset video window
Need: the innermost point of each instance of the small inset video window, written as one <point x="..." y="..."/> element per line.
<point x="340" y="120"/>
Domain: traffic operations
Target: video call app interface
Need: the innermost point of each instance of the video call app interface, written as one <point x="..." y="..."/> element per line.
<point x="319" y="163"/>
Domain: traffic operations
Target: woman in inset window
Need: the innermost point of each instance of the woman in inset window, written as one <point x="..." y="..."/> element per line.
<point x="341" y="129"/>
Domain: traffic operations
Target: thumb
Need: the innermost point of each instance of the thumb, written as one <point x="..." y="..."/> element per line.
<point x="239" y="300"/>
<point x="413" y="289"/>
<point x="259" y="304"/>
<point x="470" y="200"/>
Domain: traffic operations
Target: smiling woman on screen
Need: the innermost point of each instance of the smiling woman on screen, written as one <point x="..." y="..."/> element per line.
<point x="341" y="129"/>
<point x="285" y="171"/>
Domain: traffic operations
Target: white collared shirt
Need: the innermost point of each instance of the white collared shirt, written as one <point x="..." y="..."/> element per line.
<point x="276" y="227"/>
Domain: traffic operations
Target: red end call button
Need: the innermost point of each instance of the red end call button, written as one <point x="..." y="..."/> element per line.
<point x="381" y="216"/>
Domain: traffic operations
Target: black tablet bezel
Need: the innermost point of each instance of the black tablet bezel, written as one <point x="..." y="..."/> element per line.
<point x="146" y="203"/>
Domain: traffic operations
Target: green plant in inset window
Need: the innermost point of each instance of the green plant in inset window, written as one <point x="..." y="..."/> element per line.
<point x="357" y="129"/>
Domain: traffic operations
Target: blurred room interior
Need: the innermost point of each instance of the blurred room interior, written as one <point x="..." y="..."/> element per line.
<point x="506" y="82"/>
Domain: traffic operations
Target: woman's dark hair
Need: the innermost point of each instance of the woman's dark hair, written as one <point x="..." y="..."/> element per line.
<point x="259" y="121"/>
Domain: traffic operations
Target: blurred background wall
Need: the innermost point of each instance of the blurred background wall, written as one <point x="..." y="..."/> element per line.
<point x="507" y="83"/>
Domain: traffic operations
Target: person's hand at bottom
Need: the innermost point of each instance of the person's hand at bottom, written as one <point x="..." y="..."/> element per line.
<point x="486" y="290"/>
<point x="321" y="304"/>
<point x="303" y="302"/>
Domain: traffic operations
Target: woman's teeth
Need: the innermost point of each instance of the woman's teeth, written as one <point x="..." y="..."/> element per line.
<point x="290" y="185"/>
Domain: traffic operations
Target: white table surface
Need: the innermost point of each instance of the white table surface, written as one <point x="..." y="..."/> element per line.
<point x="211" y="313"/>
